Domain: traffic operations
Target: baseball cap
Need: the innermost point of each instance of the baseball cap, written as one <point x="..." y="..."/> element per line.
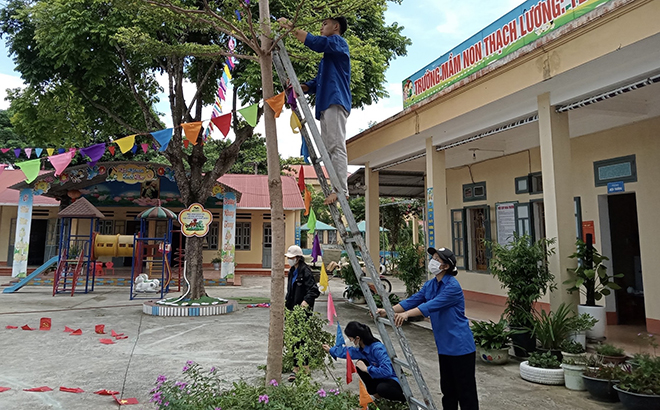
<point x="294" y="250"/>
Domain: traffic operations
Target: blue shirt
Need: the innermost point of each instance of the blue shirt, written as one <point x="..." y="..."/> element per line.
<point x="444" y="303"/>
<point x="332" y="84"/>
<point x="380" y="365"/>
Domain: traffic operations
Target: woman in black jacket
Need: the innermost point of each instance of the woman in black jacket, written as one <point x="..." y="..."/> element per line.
<point x="301" y="289"/>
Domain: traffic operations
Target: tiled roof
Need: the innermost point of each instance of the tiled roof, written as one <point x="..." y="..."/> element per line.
<point x="10" y="196"/>
<point x="81" y="209"/>
<point x="255" y="191"/>
<point x="309" y="171"/>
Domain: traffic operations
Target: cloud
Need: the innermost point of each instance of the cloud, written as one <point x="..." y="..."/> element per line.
<point x="8" y="81"/>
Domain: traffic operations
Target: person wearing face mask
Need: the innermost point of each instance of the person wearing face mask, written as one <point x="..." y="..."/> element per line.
<point x="373" y="363"/>
<point x="441" y="299"/>
<point x="301" y="289"/>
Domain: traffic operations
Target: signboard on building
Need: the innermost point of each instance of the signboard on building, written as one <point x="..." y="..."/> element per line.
<point x="522" y="26"/>
<point x="430" y="219"/>
<point x="506" y="222"/>
<point x="22" y="238"/>
<point x="195" y="220"/>
<point x="614" y="187"/>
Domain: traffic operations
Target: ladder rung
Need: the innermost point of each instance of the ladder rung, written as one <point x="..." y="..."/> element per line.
<point x="367" y="279"/>
<point x="385" y="321"/>
<point x="418" y="403"/>
<point x="401" y="363"/>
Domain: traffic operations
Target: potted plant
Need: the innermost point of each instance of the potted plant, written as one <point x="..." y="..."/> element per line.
<point x="600" y="381"/>
<point x="591" y="279"/>
<point x="353" y="291"/>
<point x="572" y="350"/>
<point x="551" y="329"/>
<point x="611" y="353"/>
<point x="640" y="388"/>
<point x="216" y="262"/>
<point x="542" y="368"/>
<point x="493" y="340"/>
<point x="411" y="268"/>
<point x="521" y="269"/>
<point x="579" y="326"/>
<point x="573" y="370"/>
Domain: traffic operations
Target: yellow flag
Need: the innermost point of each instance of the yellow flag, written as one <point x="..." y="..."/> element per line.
<point x="308" y="201"/>
<point x="277" y="103"/>
<point x="50" y="151"/>
<point x="227" y="72"/>
<point x="126" y="143"/>
<point x="296" y="126"/>
<point x="324" y="278"/>
<point x="365" y="398"/>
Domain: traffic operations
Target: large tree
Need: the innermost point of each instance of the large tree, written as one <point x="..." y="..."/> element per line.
<point x="103" y="57"/>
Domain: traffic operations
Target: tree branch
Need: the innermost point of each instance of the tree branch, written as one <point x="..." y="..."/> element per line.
<point x="198" y="93"/>
<point x="149" y="120"/>
<point x="111" y="114"/>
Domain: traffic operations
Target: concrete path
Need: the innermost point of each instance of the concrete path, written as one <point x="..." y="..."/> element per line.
<point x="235" y="343"/>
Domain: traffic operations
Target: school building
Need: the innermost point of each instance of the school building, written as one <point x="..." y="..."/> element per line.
<point x="545" y="123"/>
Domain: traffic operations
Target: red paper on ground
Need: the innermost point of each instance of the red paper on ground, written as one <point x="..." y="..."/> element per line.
<point x="119" y="337"/>
<point x="68" y="329"/>
<point x="76" y="332"/>
<point x="106" y="341"/>
<point x="3" y="389"/>
<point x="115" y="334"/>
<point x="72" y="389"/>
<point x="105" y="392"/>
<point x="26" y="327"/>
<point x="99" y="329"/>
<point x="12" y="327"/>
<point x="131" y="400"/>
<point x="44" y="323"/>
<point x="42" y="388"/>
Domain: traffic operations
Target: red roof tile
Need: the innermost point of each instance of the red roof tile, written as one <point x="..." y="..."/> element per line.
<point x="310" y="173"/>
<point x="10" y="196"/>
<point x="255" y="191"/>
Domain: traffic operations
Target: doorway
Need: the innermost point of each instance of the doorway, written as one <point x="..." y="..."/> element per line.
<point x="268" y="244"/>
<point x="37" y="242"/>
<point x="625" y="258"/>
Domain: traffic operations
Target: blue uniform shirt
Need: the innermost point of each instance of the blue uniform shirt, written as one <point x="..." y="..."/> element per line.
<point x="444" y="303"/>
<point x="332" y="84"/>
<point x="380" y="365"/>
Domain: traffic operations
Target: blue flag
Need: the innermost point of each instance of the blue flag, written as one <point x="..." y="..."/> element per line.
<point x="339" y="340"/>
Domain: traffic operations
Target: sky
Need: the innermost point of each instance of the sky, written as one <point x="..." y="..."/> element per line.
<point x="434" y="27"/>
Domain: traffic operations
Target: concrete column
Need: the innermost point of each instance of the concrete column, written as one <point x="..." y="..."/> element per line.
<point x="557" y="195"/>
<point x="372" y="213"/>
<point x="436" y="188"/>
<point x="415" y="229"/>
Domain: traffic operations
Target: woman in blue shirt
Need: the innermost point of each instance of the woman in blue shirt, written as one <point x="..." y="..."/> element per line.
<point x="373" y="363"/>
<point x="441" y="299"/>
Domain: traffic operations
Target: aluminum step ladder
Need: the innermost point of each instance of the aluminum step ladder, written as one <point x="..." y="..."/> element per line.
<point x="353" y="240"/>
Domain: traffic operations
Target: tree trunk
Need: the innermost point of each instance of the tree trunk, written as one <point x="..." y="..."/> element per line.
<point x="276" y="329"/>
<point x="194" y="267"/>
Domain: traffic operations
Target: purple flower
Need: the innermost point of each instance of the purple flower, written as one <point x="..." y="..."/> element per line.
<point x="321" y="393"/>
<point x="263" y="399"/>
<point x="180" y="385"/>
<point x="217" y="408"/>
<point x="212" y="369"/>
<point x="274" y="383"/>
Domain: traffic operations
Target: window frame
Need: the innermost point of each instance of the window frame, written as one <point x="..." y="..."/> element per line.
<point x="520" y="179"/>
<point x="243" y="240"/>
<point x="616" y="161"/>
<point x="457" y="226"/>
<point x="472" y="188"/>
<point x="469" y="240"/>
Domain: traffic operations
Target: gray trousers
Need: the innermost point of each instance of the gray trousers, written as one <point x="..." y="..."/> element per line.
<point x="333" y="132"/>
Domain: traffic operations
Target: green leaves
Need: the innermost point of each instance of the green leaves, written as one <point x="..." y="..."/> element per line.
<point x="594" y="282"/>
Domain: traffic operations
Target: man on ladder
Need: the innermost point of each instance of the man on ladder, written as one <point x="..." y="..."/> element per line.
<point x="332" y="86"/>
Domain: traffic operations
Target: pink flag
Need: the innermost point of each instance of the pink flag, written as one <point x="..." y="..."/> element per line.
<point x="60" y="162"/>
<point x="331" y="309"/>
<point x="4" y="150"/>
<point x="145" y="147"/>
<point x="28" y="152"/>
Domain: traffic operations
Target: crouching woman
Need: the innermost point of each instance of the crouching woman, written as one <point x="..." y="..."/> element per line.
<point x="373" y="363"/>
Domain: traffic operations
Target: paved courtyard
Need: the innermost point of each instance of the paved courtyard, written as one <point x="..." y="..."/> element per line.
<point x="235" y="343"/>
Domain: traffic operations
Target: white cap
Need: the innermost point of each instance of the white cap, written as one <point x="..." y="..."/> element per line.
<point x="294" y="250"/>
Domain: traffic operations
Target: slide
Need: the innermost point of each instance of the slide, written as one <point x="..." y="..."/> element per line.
<point x="24" y="281"/>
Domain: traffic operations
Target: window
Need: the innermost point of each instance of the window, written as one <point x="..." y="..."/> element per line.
<point x="106" y="227"/>
<point x="577" y="207"/>
<point x="458" y="236"/>
<point x="243" y="233"/>
<point x="478" y="231"/>
<point x="213" y="237"/>
<point x="332" y="237"/>
<point x="614" y="170"/>
<point x="523" y="219"/>
<point x="474" y="192"/>
<point x="522" y="185"/>
<point x="538" y="216"/>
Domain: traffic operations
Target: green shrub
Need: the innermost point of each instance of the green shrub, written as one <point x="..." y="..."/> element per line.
<point x="543" y="360"/>
<point x="644" y="377"/>
<point x="411" y="267"/>
<point x="606" y="349"/>
<point x="304" y="336"/>
<point x="394" y="300"/>
<point x="492" y="336"/>
<point x="571" y="346"/>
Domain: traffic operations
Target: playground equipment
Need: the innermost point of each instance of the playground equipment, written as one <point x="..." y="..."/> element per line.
<point x="150" y="253"/>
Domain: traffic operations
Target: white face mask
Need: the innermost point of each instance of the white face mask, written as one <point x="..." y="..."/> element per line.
<point x="292" y="261"/>
<point x="434" y="266"/>
<point x="356" y="343"/>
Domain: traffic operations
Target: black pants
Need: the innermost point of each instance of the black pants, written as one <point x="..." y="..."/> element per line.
<point x="388" y="389"/>
<point x="458" y="382"/>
